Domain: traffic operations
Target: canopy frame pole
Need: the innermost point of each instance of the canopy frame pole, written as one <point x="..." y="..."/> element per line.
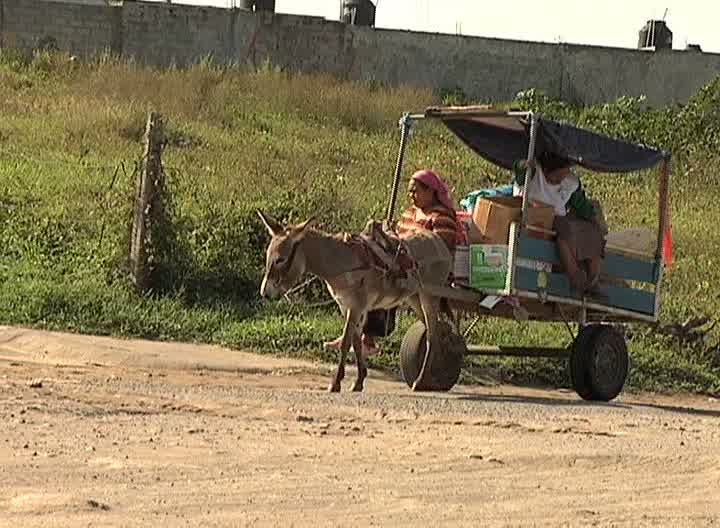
<point x="405" y="125"/>
<point x="529" y="164"/>
<point x="516" y="230"/>
<point x="663" y="221"/>
<point x="663" y="199"/>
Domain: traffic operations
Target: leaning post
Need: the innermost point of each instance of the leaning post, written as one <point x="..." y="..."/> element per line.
<point x="147" y="185"/>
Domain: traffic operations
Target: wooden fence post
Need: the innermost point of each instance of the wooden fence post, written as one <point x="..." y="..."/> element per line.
<point x="147" y="187"/>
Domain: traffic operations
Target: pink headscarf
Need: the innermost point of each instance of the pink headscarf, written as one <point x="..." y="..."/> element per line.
<point x="436" y="183"/>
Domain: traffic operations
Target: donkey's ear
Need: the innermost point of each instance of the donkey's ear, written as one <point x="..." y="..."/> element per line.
<point x="273" y="226"/>
<point x="301" y="227"/>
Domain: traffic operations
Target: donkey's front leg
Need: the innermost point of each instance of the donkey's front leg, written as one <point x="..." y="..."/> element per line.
<point x="347" y="336"/>
<point x="430" y="314"/>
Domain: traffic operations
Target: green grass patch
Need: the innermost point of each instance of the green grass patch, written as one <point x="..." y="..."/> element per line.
<point x="296" y="146"/>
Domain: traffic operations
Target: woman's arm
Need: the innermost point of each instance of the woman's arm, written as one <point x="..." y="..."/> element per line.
<point x="445" y="226"/>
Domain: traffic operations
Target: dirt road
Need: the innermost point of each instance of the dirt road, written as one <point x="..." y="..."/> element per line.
<point x="104" y="432"/>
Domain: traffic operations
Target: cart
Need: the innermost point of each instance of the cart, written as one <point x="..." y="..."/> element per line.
<point x="597" y="353"/>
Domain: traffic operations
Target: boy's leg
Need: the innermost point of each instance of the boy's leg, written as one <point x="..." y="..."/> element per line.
<point x="594" y="265"/>
<point x="578" y="277"/>
<point x="566" y="249"/>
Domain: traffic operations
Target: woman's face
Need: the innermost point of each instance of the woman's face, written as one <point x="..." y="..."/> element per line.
<point x="421" y="194"/>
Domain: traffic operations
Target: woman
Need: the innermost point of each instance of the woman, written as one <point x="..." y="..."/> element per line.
<point x="431" y="209"/>
<point x="578" y="221"/>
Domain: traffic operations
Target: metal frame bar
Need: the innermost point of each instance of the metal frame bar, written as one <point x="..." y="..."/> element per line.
<point x="528" y="170"/>
<point x="663" y="180"/>
<point x="663" y="220"/>
<point x="511" y="256"/>
<point x="405" y="125"/>
<point x="432" y="113"/>
<point x="538" y="352"/>
<point x="591" y="305"/>
<point x="514" y="228"/>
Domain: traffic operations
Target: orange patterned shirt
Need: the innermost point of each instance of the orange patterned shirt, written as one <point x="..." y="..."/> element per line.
<point x="439" y="220"/>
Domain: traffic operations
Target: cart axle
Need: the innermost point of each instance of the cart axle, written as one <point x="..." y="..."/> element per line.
<point x="547" y="352"/>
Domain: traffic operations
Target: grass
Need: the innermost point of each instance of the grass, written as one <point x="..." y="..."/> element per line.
<point x="70" y="140"/>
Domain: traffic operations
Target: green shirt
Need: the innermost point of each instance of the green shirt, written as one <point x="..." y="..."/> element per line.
<point x="578" y="202"/>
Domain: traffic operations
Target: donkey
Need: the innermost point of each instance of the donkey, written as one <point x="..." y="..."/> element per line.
<point x="355" y="284"/>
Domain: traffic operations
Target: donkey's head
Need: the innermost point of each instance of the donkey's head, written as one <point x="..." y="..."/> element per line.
<point x="284" y="260"/>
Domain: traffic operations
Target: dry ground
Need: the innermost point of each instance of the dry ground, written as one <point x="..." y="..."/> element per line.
<point x="106" y="432"/>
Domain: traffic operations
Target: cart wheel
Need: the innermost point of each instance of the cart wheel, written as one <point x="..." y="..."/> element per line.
<point x="577" y="365"/>
<point x="445" y="369"/>
<point x="599" y="363"/>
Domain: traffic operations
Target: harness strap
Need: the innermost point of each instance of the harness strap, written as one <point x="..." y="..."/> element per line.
<point x="370" y="254"/>
<point x="387" y="260"/>
<point x="353" y="278"/>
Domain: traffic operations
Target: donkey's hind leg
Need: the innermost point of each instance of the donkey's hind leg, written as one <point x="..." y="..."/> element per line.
<point x="360" y="361"/>
<point x="429" y="307"/>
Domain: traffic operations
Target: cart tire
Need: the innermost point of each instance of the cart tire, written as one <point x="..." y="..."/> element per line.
<point x="578" y="362"/>
<point x="445" y="369"/>
<point x="599" y="363"/>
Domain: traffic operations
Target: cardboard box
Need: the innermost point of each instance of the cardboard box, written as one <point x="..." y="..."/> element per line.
<point x="493" y="216"/>
<point x="541" y="215"/>
<point x="488" y="266"/>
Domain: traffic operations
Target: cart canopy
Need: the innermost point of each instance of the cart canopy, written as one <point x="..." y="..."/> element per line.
<point x="503" y="137"/>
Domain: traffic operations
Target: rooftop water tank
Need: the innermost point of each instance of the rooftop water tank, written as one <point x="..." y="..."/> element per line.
<point x="656" y="35"/>
<point x="358" y="12"/>
<point x="257" y="5"/>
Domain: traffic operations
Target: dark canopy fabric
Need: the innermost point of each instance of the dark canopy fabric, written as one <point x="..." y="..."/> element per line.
<point x="502" y="140"/>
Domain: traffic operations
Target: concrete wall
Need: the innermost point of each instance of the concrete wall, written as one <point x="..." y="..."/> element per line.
<point x="486" y="69"/>
<point x="84" y="29"/>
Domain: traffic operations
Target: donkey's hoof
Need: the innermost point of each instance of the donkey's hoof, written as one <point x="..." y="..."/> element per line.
<point x="357" y="386"/>
<point x="334" y="387"/>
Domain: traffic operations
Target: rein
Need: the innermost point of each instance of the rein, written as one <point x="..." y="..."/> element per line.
<point x="288" y="264"/>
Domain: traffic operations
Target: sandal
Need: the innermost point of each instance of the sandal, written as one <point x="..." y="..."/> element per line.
<point x="593" y="282"/>
<point x="369" y="348"/>
<point x="335" y="344"/>
<point x="593" y="291"/>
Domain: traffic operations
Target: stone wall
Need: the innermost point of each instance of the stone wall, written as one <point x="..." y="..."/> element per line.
<point x="486" y="69"/>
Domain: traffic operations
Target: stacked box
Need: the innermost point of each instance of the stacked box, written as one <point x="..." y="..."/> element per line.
<point x="493" y="216"/>
<point x="488" y="266"/>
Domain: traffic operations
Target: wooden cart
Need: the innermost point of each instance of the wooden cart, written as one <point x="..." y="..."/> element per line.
<point x="597" y="353"/>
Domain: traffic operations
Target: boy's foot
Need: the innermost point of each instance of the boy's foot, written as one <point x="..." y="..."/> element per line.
<point x="593" y="282"/>
<point x="594" y="292"/>
<point x="335" y="344"/>
<point x="578" y="280"/>
<point x="369" y="348"/>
